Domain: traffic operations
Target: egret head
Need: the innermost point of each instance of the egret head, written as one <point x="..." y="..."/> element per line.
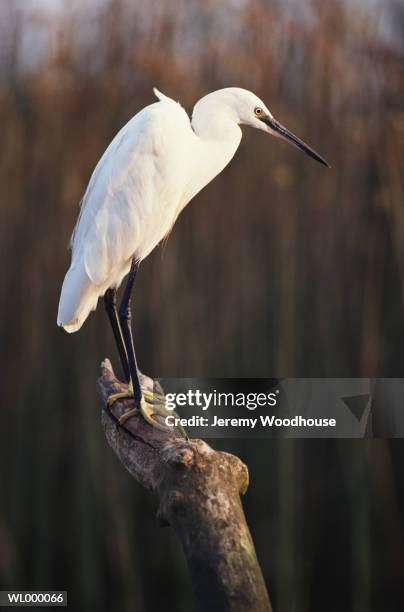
<point x="245" y="108"/>
<point x="253" y="112"/>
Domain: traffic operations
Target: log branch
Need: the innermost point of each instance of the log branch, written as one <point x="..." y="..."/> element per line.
<point x="198" y="490"/>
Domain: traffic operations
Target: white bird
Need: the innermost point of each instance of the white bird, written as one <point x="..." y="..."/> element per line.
<point x="153" y="167"/>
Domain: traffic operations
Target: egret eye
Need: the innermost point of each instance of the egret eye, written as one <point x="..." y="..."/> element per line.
<point x="258" y="112"/>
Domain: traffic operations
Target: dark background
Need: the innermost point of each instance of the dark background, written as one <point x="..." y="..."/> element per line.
<point x="280" y="268"/>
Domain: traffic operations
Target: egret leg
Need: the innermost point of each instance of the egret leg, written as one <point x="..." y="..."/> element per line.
<point x="110" y="307"/>
<point x="147" y="403"/>
<point x="125" y="319"/>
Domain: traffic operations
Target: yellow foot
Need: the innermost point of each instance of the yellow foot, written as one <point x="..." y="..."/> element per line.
<point x="154" y="398"/>
<point x="128" y="394"/>
<point x="126" y="415"/>
<point x="122" y="395"/>
<point x="154" y="404"/>
<point x="151" y="405"/>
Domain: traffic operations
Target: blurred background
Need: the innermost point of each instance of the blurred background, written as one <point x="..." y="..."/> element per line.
<point x="278" y="268"/>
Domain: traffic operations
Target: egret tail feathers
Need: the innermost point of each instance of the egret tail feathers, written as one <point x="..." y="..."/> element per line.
<point x="78" y="298"/>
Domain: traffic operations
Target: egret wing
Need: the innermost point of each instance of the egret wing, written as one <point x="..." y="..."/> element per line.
<point x="132" y="182"/>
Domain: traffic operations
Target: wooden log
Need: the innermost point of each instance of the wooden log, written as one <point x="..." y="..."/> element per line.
<point x="198" y="491"/>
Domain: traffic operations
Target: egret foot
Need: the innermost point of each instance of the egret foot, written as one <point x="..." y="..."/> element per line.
<point x="151" y="405"/>
<point x="126" y="415"/>
<point x="122" y="395"/>
<point x="128" y="394"/>
<point x="148" y="408"/>
<point x="154" y="404"/>
<point x="154" y="398"/>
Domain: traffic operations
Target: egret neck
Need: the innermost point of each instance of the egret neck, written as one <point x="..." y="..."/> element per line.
<point x="218" y="137"/>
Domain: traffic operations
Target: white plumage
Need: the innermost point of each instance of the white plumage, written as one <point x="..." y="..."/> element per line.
<point x="153" y="167"/>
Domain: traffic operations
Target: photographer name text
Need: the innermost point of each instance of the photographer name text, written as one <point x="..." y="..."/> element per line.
<point x="252" y="423"/>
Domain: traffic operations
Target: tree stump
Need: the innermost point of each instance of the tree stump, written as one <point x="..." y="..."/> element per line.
<point x="198" y="491"/>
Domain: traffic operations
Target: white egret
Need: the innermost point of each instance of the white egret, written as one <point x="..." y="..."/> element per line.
<point x="153" y="167"/>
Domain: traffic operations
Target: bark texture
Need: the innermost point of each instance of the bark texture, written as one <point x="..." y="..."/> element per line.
<point x="198" y="491"/>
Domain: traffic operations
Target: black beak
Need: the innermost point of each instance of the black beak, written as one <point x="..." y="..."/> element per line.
<point x="282" y="132"/>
